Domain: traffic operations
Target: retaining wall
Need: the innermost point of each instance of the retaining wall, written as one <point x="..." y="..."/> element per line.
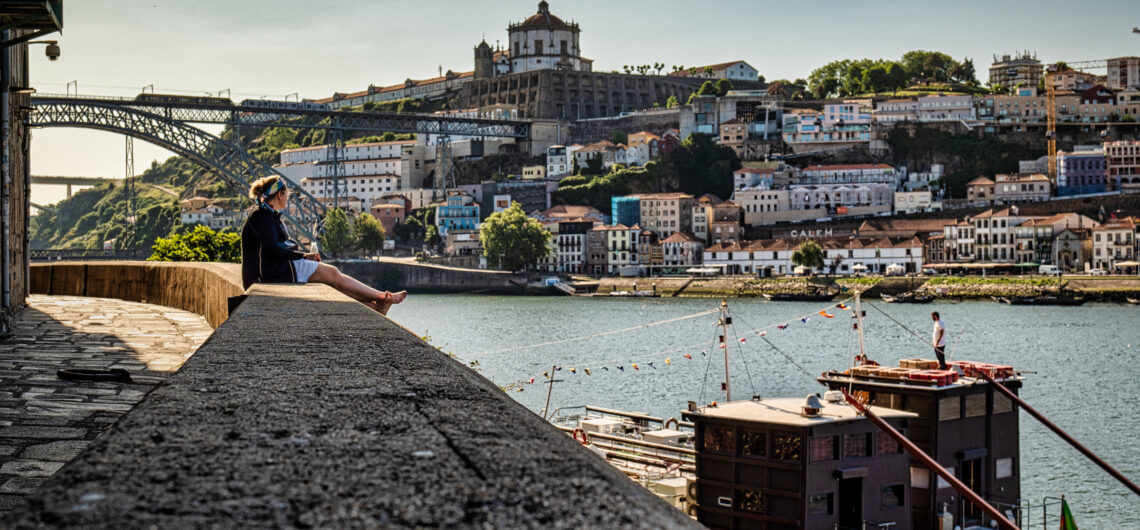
<point x="398" y="275"/>
<point x="307" y="409"/>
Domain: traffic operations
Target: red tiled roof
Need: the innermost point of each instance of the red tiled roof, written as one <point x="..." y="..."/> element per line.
<point x="681" y="237"/>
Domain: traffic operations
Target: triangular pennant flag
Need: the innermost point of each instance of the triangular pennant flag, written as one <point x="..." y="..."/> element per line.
<point x="761" y="334"/>
<point x="668" y="361"/>
<point x="841" y="306"/>
<point x="805" y="319"/>
<point x="622" y="368"/>
<point x="783" y="326"/>
<point x="531" y="381"/>
<point x="687" y="356"/>
<point x="546" y="375"/>
<point x="651" y="366"/>
<point x="1067" y="522"/>
<point x="605" y="368"/>
<point x="824" y="314"/>
<point x="573" y="370"/>
<point x="635" y="366"/>
<point x="721" y="346"/>
<point x="587" y="370"/>
<point x="704" y="353"/>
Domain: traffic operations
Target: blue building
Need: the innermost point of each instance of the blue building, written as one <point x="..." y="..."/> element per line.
<point x="1081" y="172"/>
<point x="460" y="213"/>
<point x="625" y="210"/>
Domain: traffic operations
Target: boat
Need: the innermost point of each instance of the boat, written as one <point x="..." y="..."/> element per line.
<point x="1047" y="299"/>
<point x="1132" y="300"/>
<point x="800" y="297"/>
<point x="757" y="448"/>
<point x="910" y="297"/>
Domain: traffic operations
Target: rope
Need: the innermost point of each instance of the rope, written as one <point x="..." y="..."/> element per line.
<point x="789" y="358"/>
<point x="708" y="363"/>
<point x="602" y="334"/>
<point x="744" y="359"/>
<point x="916" y="335"/>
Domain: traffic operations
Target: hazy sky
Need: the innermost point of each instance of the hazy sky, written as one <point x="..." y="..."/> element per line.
<point x="278" y="47"/>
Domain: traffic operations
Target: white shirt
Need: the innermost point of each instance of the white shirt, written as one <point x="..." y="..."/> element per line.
<point x="939" y="341"/>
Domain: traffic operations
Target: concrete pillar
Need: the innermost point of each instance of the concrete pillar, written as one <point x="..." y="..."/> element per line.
<point x="69" y="191"/>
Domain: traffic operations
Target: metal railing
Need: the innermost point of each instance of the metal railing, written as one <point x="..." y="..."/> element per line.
<point x="69" y="254"/>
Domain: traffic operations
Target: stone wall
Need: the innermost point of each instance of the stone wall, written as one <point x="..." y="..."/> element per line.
<point x="655" y="121"/>
<point x="399" y="275"/>
<point x="307" y="409"/>
<point x="201" y="288"/>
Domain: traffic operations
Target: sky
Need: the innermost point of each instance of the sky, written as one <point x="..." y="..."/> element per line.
<point x="314" y="48"/>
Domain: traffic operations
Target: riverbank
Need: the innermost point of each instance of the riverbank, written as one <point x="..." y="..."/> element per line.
<point x="1093" y="288"/>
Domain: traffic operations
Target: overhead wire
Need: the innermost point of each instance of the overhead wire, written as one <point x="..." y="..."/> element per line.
<point x="892" y="319"/>
<point x="601" y="334"/>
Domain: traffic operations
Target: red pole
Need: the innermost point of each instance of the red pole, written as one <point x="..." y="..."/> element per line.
<point x="1064" y="435"/>
<point x="929" y="462"/>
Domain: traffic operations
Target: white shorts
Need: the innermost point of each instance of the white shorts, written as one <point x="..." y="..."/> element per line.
<point x="303" y="268"/>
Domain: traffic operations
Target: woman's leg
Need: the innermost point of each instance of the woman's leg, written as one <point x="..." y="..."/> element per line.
<point x="379" y="300"/>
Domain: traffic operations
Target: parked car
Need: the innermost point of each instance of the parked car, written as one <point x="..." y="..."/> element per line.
<point x="1098" y="272"/>
<point x="1049" y="270"/>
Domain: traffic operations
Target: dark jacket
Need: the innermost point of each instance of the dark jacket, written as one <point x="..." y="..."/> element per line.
<point x="266" y="250"/>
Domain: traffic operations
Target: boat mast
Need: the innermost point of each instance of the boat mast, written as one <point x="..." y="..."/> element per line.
<point x="859" y="328"/>
<point x="725" y="321"/>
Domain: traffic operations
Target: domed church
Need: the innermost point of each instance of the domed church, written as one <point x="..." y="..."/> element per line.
<point x="541" y="42"/>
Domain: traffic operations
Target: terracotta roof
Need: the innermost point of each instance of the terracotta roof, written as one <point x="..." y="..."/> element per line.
<point x="842" y="167"/>
<point x="980" y="181"/>
<point x="681" y="237"/>
<point x="570" y="211"/>
<point x="897" y="225"/>
<point x="386" y="206"/>
<point x="543" y="19"/>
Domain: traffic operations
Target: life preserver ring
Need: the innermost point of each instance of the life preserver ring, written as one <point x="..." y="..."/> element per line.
<point x="583" y="439"/>
<point x="691" y="491"/>
<point x="670" y="421"/>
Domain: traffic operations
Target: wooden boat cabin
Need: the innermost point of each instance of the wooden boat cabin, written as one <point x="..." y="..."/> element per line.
<point x="789" y="463"/>
<point x="961" y="421"/>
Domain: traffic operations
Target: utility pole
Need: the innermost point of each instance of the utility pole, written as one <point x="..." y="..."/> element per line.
<point x="725" y="322"/>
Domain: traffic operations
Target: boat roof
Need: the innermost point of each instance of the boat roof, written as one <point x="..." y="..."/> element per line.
<point x="786" y="411"/>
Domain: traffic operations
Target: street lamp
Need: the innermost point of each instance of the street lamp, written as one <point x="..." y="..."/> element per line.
<point x="67" y="89"/>
<point x="52" y="51"/>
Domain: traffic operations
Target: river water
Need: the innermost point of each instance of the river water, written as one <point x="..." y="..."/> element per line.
<point x="1083" y="362"/>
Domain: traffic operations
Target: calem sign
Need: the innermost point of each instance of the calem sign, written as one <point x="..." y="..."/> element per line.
<point x="821" y="232"/>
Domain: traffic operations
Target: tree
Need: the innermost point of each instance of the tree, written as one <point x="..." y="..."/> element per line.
<point x="368" y="234"/>
<point x="896" y="76"/>
<point x="199" y="244"/>
<point x="619" y="137"/>
<point x="659" y="67"/>
<point x="709" y="71"/>
<point x="1061" y="66"/>
<point x="708" y="88"/>
<point x="594" y="165"/>
<point x="627" y="69"/>
<point x="512" y="241"/>
<point x="875" y="79"/>
<point x="337" y="238"/>
<point x="723" y="87"/>
<point x="760" y="78"/>
<point x="808" y="255"/>
<point x="672" y="103"/>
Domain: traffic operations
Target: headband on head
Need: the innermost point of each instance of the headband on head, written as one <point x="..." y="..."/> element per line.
<point x="277" y="186"/>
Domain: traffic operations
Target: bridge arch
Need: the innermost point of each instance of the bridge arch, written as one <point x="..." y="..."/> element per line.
<point x="230" y="161"/>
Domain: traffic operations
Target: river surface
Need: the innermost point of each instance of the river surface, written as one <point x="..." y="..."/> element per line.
<point x="1082" y="364"/>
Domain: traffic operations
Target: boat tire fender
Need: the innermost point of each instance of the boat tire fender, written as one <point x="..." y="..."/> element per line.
<point x="580" y="436"/>
<point x="670" y="421"/>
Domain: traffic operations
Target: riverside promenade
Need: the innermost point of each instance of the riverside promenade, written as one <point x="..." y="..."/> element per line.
<point x="307" y="409"/>
<point x="46" y="421"/>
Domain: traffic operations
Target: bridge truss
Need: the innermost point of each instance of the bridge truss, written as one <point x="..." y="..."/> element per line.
<point x="233" y="163"/>
<point x="166" y="123"/>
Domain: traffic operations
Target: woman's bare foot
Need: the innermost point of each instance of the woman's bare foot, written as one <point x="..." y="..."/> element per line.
<point x="382" y="305"/>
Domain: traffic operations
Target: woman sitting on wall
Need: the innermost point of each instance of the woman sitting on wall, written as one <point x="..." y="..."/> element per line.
<point x="269" y="256"/>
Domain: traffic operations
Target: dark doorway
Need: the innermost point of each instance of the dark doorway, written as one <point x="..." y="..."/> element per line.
<point x="851" y="502"/>
<point x="972" y="477"/>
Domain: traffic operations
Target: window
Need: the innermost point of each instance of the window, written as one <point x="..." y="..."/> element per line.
<point x="824" y="448"/>
<point x="857" y="445"/>
<point x="719" y="440"/>
<point x="893" y="496"/>
<point x="949" y="408"/>
<point x="975" y="405"/>
<point x="1003" y="468"/>
<point x="787" y="447"/>
<point x="885" y="445"/>
<point x="820" y="505"/>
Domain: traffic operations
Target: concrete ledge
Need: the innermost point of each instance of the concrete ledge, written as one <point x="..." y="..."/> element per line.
<point x="197" y="287"/>
<point x="306" y="409"/>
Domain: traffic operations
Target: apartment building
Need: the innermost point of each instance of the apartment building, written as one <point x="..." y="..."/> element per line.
<point x="1009" y="189"/>
<point x="558" y="162"/>
<point x="849" y="174"/>
<point x="665" y="213"/>
<point x="1113" y="243"/>
<point x="775" y="255"/>
<point x="1122" y="164"/>
<point x="1080" y="172"/>
<point x="1018" y="69"/>
<point x="681" y="250"/>
<point x="945" y="108"/>
<point x="995" y="235"/>
<point x="980" y="192"/>
<point x="912" y="201"/>
<point x="849" y="121"/>
<point x="896" y="110"/>
<point x="1123" y="72"/>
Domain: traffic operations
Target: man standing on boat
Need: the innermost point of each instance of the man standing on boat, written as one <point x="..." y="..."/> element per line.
<point x="939" y="340"/>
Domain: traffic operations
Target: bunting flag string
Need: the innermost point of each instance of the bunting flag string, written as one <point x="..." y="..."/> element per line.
<point x="761" y="332"/>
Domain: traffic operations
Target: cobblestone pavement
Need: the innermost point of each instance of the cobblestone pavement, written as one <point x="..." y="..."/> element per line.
<point x="46" y="421"/>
